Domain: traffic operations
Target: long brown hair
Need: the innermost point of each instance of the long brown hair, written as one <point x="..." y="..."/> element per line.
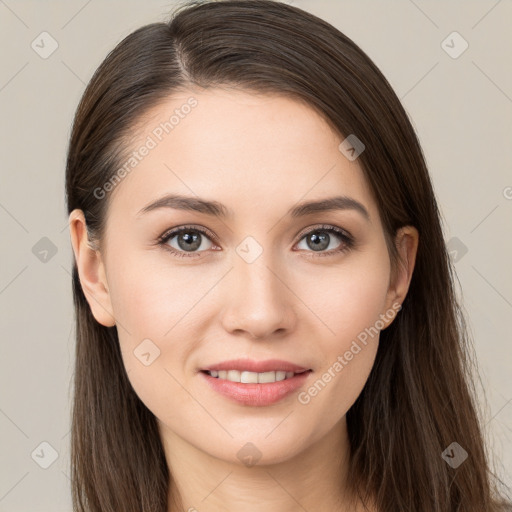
<point x="420" y="395"/>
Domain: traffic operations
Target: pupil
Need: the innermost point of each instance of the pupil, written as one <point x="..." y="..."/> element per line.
<point x="319" y="241"/>
<point x="192" y="239"/>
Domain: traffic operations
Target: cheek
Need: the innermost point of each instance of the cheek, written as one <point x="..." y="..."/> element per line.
<point x="152" y="313"/>
<point x="349" y="299"/>
<point x="156" y="307"/>
<point x="350" y="308"/>
<point x="149" y="298"/>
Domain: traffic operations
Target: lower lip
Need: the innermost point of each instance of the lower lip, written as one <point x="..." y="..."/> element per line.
<point x="256" y="394"/>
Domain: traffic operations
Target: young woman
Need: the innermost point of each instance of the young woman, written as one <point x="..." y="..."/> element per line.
<point x="265" y="310"/>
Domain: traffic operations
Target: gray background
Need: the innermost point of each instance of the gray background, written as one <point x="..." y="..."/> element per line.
<point x="461" y="108"/>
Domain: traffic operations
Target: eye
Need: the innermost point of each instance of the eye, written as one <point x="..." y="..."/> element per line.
<point x="189" y="240"/>
<point x="320" y="238"/>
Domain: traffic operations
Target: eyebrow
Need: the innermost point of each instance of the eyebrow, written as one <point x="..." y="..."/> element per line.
<point x="216" y="209"/>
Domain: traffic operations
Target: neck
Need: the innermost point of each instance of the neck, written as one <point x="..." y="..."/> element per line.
<point x="312" y="480"/>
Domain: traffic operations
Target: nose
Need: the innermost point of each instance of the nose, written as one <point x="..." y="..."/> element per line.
<point x="259" y="303"/>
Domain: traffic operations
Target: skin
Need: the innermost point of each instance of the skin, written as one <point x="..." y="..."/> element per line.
<point x="259" y="155"/>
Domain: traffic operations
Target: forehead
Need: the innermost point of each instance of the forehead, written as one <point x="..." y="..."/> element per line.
<point x="248" y="151"/>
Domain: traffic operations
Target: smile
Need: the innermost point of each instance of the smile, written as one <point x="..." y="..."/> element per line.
<point x="247" y="377"/>
<point x="256" y="389"/>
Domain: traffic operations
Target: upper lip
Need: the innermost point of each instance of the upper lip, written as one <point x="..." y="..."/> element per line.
<point x="256" y="366"/>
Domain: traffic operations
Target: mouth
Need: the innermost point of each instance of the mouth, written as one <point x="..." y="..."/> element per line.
<point x="255" y="382"/>
<point x="257" y="389"/>
<point x="248" y="377"/>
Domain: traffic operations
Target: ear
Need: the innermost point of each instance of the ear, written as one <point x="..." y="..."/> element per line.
<point x="406" y="241"/>
<point x="91" y="270"/>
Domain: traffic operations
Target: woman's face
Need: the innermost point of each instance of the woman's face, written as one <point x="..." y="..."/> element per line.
<point x="261" y="284"/>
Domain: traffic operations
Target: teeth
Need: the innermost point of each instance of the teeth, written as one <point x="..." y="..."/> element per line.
<point x="265" y="377"/>
<point x="233" y="375"/>
<point x="251" y="377"/>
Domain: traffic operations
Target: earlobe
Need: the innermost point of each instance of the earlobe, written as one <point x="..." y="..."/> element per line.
<point x="407" y="240"/>
<point x="91" y="270"/>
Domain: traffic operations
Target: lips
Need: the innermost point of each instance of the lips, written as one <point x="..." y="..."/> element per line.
<point x="276" y="379"/>
<point x="250" y="365"/>
<point x="257" y="395"/>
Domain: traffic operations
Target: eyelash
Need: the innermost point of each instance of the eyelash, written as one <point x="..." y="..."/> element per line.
<point x="346" y="245"/>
